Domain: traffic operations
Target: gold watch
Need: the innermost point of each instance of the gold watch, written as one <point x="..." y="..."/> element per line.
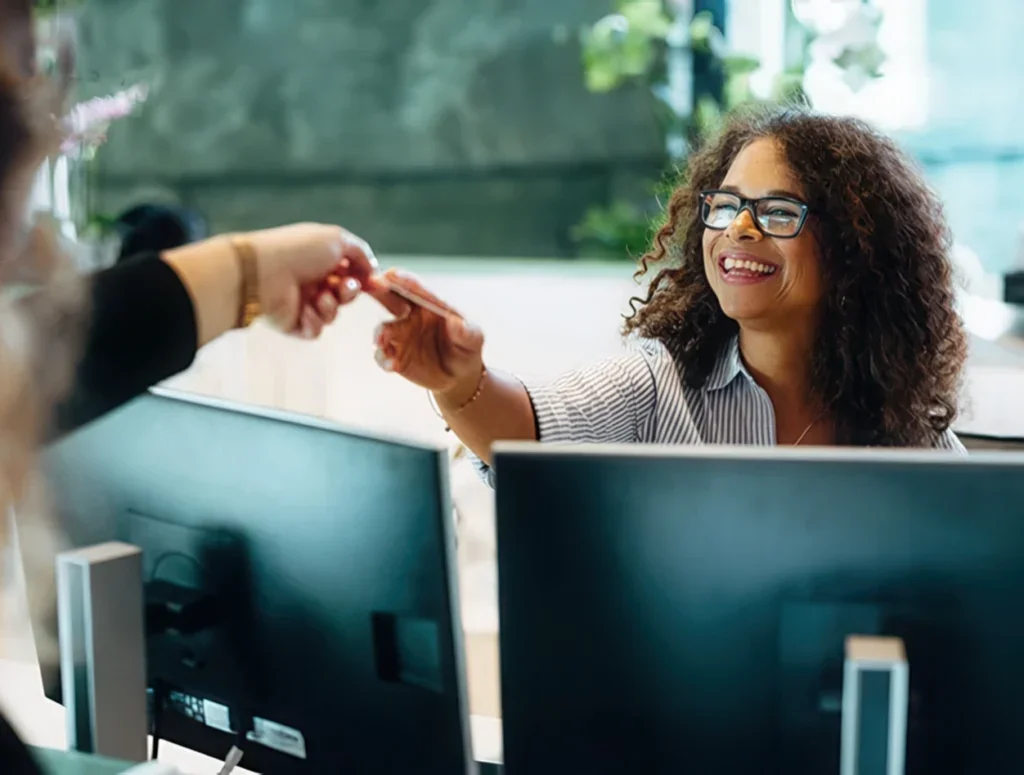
<point x="249" y="308"/>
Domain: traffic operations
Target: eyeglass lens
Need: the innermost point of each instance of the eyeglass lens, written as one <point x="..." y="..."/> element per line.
<point x="776" y="217"/>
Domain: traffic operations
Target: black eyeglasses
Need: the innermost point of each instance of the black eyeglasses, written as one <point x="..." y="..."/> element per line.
<point x="774" y="216"/>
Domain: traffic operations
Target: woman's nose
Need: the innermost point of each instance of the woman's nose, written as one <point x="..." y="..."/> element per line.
<point x="743" y="227"/>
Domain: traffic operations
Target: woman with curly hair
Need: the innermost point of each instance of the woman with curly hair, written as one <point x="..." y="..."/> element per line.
<point x="804" y="294"/>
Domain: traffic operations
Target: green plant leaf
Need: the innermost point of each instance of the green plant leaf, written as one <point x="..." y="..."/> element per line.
<point x="647" y="18"/>
<point x="622" y="46"/>
<point x="707" y="117"/>
<point x="48" y="7"/>
<point x="621" y="230"/>
<point x="788" y="88"/>
<point x="601" y="69"/>
<point x="740" y="64"/>
<point x="736" y="92"/>
<point x="701" y="30"/>
<point x="601" y="79"/>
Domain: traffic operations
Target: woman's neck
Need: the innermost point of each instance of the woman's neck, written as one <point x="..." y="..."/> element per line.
<point x="780" y="362"/>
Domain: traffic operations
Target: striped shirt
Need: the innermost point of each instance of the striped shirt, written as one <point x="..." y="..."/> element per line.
<point x="641" y="397"/>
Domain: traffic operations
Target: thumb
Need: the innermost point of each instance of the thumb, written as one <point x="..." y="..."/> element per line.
<point x="321" y="251"/>
<point x="464" y="335"/>
<point x="312" y="251"/>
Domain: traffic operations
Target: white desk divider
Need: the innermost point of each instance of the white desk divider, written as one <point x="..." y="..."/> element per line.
<point x="867" y="657"/>
<point x="101" y="621"/>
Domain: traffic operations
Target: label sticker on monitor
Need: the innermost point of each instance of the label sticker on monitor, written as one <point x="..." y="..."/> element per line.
<point x="217" y="716"/>
<point x="278" y="737"/>
<point x="266" y="733"/>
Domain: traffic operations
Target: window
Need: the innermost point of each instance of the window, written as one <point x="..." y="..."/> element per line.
<point x="899" y="99"/>
<point x="951" y="91"/>
<point x="972" y="144"/>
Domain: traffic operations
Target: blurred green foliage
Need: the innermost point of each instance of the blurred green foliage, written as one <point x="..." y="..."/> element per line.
<point x="45" y="7"/>
<point x="630" y="45"/>
<point x="624" y="45"/>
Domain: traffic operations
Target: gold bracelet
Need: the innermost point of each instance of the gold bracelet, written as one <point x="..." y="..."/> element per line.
<point x="465" y="405"/>
<point x="249" y="309"/>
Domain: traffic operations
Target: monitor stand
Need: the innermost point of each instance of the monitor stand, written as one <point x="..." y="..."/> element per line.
<point x="101" y="620"/>
<point x="876" y="696"/>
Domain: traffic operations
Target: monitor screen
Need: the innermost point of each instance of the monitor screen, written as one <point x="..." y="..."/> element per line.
<point x="685" y="610"/>
<point x="334" y="642"/>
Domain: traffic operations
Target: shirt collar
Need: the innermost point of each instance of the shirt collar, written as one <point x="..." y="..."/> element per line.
<point x="728" y="366"/>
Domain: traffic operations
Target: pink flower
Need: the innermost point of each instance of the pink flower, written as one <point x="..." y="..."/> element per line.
<point x="88" y="121"/>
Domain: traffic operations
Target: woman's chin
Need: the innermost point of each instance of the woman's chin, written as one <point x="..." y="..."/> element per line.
<point x="742" y="308"/>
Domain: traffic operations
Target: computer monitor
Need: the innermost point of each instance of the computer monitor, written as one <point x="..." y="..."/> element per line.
<point x="329" y="559"/>
<point x="685" y="609"/>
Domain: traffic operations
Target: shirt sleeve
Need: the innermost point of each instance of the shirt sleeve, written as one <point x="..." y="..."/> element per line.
<point x="141" y="330"/>
<point x="949" y="441"/>
<point x="612" y="402"/>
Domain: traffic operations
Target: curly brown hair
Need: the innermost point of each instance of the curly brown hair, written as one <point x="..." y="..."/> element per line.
<point x="890" y="348"/>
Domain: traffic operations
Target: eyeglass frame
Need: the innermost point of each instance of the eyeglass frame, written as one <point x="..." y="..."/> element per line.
<point x="750" y="204"/>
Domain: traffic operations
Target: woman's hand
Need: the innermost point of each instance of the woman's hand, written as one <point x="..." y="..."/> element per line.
<point x="441" y="353"/>
<point x="306" y="271"/>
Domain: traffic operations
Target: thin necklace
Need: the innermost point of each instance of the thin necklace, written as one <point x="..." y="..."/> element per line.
<point x="806" y="431"/>
<point x="808" y="428"/>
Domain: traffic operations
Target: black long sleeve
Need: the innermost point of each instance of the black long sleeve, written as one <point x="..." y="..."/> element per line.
<point x="141" y="330"/>
<point x="15" y="758"/>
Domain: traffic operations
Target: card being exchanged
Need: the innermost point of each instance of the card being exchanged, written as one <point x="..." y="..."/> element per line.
<point x="415" y="298"/>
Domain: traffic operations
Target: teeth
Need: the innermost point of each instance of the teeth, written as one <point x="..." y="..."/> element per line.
<point x="751" y="266"/>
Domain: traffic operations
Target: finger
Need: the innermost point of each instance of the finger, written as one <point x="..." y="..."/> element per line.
<point x="410" y="282"/>
<point x="361" y="261"/>
<point x="383" y="361"/>
<point x="417" y="340"/>
<point x="310" y="325"/>
<point x="330" y="284"/>
<point x="393" y="303"/>
<point x="464" y="336"/>
<point x="398" y="336"/>
<point x="346" y="290"/>
<point x="407" y="287"/>
<point x="380" y="336"/>
<point x="343" y="289"/>
<point x="327" y="307"/>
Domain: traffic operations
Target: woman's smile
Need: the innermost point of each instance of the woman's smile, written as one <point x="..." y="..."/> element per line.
<point x="740" y="268"/>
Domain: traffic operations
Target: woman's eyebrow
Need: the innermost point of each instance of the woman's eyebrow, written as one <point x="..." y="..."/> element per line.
<point x="773" y="192"/>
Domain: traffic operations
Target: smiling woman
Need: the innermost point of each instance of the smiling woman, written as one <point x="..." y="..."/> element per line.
<point x="857" y="323"/>
<point x="805" y="297"/>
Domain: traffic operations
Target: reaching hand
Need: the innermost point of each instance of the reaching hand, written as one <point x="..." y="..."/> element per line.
<point x="306" y="271"/>
<point x="441" y="353"/>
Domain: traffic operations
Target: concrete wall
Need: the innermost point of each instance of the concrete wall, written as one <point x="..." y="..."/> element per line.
<point x="429" y="126"/>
